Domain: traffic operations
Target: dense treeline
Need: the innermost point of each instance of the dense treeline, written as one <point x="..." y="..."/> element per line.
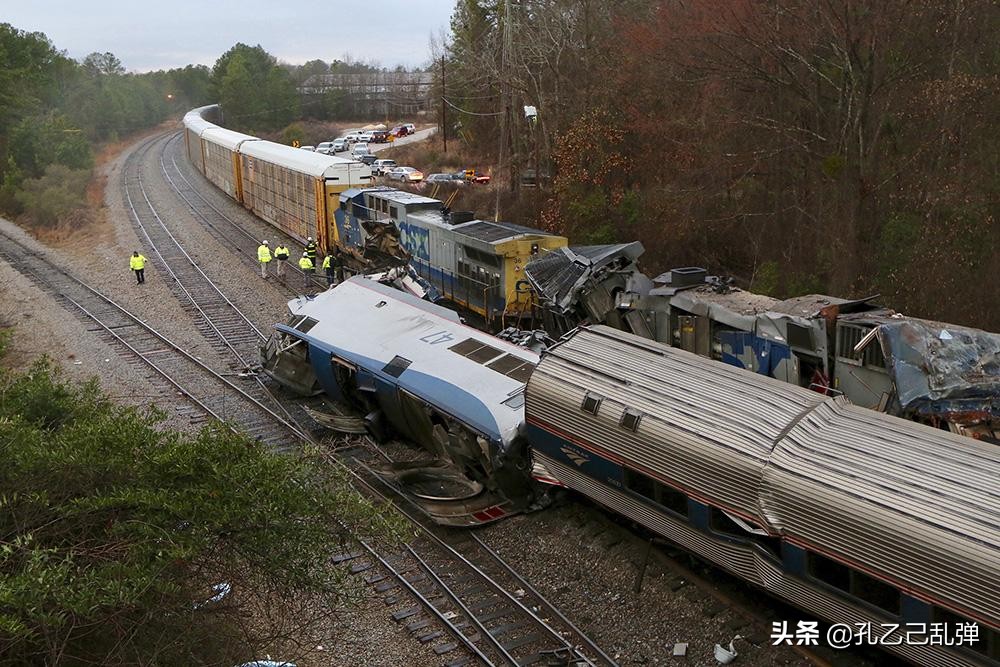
<point x="54" y="110"/>
<point x="846" y="147"/>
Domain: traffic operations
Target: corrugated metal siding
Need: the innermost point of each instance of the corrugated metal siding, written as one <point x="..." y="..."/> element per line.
<point x="911" y="503"/>
<point x="707" y="428"/>
<point x="745" y="562"/>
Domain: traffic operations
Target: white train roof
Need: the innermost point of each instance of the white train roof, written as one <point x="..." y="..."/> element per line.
<point x="194" y="122"/>
<point x="307" y="162"/>
<point x="474" y="377"/>
<point x="226" y="138"/>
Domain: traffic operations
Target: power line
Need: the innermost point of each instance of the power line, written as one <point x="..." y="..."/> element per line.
<point x="471" y="113"/>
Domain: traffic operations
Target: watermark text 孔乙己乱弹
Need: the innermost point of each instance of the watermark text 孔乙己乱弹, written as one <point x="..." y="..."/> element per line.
<point x="842" y="635"/>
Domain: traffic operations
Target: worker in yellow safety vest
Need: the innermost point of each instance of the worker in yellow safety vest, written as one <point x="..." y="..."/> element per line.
<point x="137" y="263"/>
<point x="329" y="268"/>
<point x="308" y="268"/>
<point x="263" y="256"/>
<point x="311" y="250"/>
<point x="281" y="254"/>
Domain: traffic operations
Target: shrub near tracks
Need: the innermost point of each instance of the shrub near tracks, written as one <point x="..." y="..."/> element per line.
<point x="113" y="533"/>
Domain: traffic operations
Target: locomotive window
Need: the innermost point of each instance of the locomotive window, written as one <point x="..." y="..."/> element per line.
<point x="829" y="571"/>
<point x="799" y="336"/>
<point x="988" y="642"/>
<point x="591" y="402"/>
<point x="304" y="324"/>
<point x="484" y="354"/>
<point x="396" y="367"/>
<point x="476" y="350"/>
<point x="515" y="402"/>
<point x="466" y="346"/>
<point x="848" y="336"/>
<point x="875" y="592"/>
<point x="394" y="212"/>
<point x="630" y="420"/>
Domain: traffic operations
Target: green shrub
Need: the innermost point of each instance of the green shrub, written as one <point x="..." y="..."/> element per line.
<point x="49" y="199"/>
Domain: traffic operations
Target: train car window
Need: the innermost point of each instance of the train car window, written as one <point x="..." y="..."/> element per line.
<point x="476" y="350"/>
<point x="484" y="354"/>
<point x="394" y="212"/>
<point x="630" y="420"/>
<point x="466" y="346"/>
<point x="829" y="571"/>
<point x="672" y="499"/>
<point x="591" y="402"/>
<point x="988" y="642"/>
<point x="875" y="592"/>
<point x="721" y="523"/>
<point x="522" y="373"/>
<point x="638" y="483"/>
<point x="799" y="336"/>
<point x="515" y="402"/>
<point x="848" y="336"/>
<point x="396" y="367"/>
<point x="304" y="324"/>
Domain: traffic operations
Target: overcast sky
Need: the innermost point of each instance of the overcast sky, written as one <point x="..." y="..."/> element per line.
<point x="173" y="33"/>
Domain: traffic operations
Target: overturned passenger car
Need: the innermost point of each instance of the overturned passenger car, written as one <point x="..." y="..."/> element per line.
<point x="412" y="368"/>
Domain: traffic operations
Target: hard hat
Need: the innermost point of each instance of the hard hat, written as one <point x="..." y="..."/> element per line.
<point x="309" y="238"/>
<point x="305" y="254"/>
<point x="264" y="242"/>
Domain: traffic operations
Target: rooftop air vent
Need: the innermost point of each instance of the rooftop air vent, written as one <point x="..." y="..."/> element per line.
<point x="687" y="276"/>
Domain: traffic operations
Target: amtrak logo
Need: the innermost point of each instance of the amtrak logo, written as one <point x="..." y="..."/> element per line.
<point x="576" y="456"/>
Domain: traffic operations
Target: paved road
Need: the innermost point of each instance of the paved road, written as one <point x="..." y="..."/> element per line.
<point x="419" y="135"/>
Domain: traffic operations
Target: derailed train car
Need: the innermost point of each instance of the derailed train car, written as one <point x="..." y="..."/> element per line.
<point x="853" y="515"/>
<point x="413" y="369"/>
<point x="940" y="374"/>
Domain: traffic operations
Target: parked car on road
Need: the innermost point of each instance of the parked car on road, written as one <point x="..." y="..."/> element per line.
<point x="359" y="149"/>
<point x="399" y="131"/>
<point x="380" y="167"/>
<point x="451" y="179"/>
<point x="379" y="137"/>
<point x="366" y="159"/>
<point x="307" y="148"/>
<point x="410" y="128"/>
<point x="340" y="144"/>
<point x="325" y="147"/>
<point x="473" y="176"/>
<point x="352" y="137"/>
<point x="405" y="174"/>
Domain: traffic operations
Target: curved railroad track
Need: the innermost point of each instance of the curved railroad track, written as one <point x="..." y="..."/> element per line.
<point x="222" y="226"/>
<point x="173" y="370"/>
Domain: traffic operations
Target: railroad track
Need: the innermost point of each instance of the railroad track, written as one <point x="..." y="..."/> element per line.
<point x="225" y="228"/>
<point x="474" y="609"/>
<point x="487" y="611"/>
<point x="206" y="392"/>
<point x="225" y="326"/>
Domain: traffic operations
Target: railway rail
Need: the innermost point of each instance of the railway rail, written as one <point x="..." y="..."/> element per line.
<point x="459" y="581"/>
<point x="221" y="225"/>
<point x="217" y="317"/>
<point x="173" y="370"/>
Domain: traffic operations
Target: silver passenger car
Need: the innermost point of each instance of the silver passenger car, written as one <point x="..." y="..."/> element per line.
<point x="854" y="515"/>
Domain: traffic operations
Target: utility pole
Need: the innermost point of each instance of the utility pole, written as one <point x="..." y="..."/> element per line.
<point x="444" y="111"/>
<point x="505" y="94"/>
